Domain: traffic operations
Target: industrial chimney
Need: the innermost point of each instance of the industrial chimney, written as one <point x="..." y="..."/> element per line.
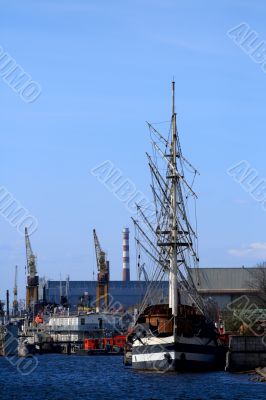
<point x="126" y="268"/>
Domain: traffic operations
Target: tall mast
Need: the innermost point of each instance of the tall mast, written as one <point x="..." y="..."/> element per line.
<point x="173" y="295"/>
<point x="169" y="240"/>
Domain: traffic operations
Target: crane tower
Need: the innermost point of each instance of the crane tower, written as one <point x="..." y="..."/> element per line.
<point x="102" y="289"/>
<point x="32" y="289"/>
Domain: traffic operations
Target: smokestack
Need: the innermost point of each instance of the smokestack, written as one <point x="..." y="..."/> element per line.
<point x="126" y="268"/>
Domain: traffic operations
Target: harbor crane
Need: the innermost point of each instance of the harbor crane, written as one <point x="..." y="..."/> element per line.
<point x="32" y="289"/>
<point x="15" y="293"/>
<point x="102" y="289"/>
<point x="142" y="270"/>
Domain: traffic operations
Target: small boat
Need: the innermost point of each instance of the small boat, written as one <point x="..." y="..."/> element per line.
<point x="25" y="348"/>
<point x="111" y="346"/>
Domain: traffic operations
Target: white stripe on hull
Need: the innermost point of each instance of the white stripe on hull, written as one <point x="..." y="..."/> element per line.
<point x="206" y="358"/>
<point x="152" y="341"/>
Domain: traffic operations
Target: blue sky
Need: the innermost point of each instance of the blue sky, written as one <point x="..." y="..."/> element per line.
<point x="105" y="67"/>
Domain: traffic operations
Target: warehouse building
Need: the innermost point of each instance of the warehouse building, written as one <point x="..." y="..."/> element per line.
<point x="223" y="285"/>
<point x="125" y="294"/>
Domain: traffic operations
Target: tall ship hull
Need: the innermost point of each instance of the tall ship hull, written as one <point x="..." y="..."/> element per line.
<point x="175" y="354"/>
<point x="194" y="346"/>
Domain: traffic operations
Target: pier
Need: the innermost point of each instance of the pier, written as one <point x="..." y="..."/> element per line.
<point x="246" y="353"/>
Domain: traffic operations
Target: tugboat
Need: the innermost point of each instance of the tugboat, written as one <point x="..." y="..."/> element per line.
<point x="178" y="334"/>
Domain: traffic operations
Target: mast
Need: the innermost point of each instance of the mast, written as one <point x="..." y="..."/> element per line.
<point x="173" y="295"/>
<point x="166" y="241"/>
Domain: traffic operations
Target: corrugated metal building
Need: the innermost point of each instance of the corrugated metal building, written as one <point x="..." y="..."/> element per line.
<point x="126" y="294"/>
<point x="224" y="285"/>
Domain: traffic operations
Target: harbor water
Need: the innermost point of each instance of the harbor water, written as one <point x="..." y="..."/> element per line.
<point x="60" y="377"/>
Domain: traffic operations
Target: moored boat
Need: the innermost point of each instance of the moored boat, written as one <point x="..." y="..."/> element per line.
<point x="179" y="333"/>
<point x="191" y="345"/>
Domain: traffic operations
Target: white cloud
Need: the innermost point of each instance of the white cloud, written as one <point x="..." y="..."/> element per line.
<point x="253" y="250"/>
<point x="240" y="201"/>
<point x="195" y="46"/>
<point x="58" y="6"/>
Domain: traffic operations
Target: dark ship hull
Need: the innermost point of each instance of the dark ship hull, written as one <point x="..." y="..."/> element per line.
<point x="193" y="347"/>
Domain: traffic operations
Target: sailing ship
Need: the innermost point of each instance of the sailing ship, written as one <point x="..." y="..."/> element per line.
<point x="178" y="333"/>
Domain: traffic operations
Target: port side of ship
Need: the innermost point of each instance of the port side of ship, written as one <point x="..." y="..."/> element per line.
<point x="176" y="334"/>
<point x="193" y="346"/>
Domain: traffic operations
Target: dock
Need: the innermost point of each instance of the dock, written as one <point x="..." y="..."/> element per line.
<point x="246" y="353"/>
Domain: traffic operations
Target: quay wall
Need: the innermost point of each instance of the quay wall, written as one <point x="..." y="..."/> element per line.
<point x="246" y="353"/>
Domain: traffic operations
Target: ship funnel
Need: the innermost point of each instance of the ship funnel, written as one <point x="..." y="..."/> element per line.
<point x="126" y="266"/>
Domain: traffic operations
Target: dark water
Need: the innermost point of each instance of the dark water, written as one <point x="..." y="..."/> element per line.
<point x="71" y="377"/>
